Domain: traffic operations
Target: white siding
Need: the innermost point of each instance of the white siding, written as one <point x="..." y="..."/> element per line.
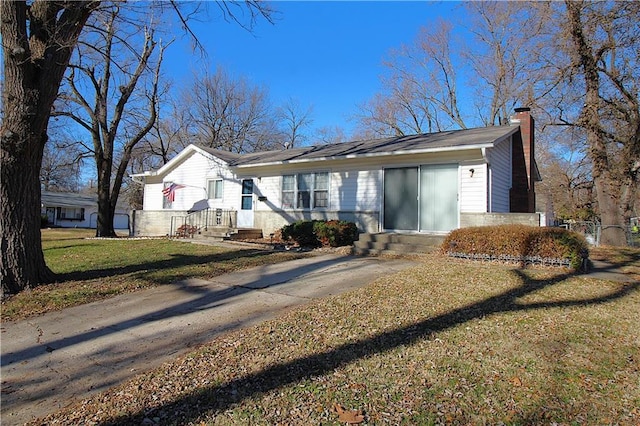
<point x="356" y="190"/>
<point x="152" y="196"/>
<point x="473" y="189"/>
<point x="500" y="176"/>
<point x="269" y="187"/>
<point x="194" y="173"/>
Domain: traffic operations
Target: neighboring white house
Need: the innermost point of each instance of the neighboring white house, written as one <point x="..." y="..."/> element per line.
<point x="72" y="210"/>
<point x="430" y="183"/>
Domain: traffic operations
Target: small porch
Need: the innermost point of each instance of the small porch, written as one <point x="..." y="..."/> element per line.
<point x="218" y="224"/>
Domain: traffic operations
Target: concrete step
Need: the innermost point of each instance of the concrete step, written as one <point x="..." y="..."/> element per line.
<point x="247" y="234"/>
<point x="397" y="244"/>
<point x="218" y="233"/>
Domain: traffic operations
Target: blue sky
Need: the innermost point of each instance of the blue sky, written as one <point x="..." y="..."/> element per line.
<point x="324" y="54"/>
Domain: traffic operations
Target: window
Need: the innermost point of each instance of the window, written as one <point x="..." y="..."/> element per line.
<point x="321" y="191"/>
<point x="305" y="185"/>
<point x="214" y="189"/>
<point x="288" y="191"/>
<point x="71" y="213"/>
<point x="247" y="194"/>
<point x="305" y="191"/>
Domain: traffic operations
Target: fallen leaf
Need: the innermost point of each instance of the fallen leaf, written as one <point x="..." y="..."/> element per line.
<point x="351" y="417"/>
<point x="515" y="381"/>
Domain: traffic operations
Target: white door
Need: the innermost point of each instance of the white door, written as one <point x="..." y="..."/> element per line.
<point x="245" y="215"/>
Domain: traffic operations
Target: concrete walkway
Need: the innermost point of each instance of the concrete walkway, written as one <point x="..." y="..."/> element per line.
<point x="54" y="359"/>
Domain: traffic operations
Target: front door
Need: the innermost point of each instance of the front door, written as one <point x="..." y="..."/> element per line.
<point x="245" y="215"/>
<point x="51" y="215"/>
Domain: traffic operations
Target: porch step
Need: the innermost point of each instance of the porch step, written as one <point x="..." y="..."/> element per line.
<point x="396" y="244"/>
<point x="218" y="233"/>
<point x="247" y="234"/>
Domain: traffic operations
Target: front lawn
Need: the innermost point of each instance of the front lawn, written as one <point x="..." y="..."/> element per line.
<point x="91" y="269"/>
<point x="447" y="342"/>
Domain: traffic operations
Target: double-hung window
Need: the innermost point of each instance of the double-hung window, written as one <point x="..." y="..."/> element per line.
<point x="305" y="191"/>
<point x="289" y="192"/>
<point x="214" y="189"/>
<point x="321" y="191"/>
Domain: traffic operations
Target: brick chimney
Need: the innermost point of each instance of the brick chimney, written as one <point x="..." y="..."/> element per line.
<point x="524" y="173"/>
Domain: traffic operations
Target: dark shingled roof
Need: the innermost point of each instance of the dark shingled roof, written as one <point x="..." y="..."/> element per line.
<point x="454" y="139"/>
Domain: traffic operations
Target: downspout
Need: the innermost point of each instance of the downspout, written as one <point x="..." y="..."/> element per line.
<point x="489" y="180"/>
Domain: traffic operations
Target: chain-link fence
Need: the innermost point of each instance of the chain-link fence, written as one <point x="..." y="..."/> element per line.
<point x="593" y="230"/>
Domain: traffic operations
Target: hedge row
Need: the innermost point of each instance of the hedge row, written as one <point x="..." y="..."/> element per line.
<point x="518" y="241"/>
<point x="316" y="233"/>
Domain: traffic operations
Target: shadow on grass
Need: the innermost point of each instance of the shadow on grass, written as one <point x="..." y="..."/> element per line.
<point x="176" y="261"/>
<point x="205" y="296"/>
<point x="614" y="261"/>
<point x="218" y="398"/>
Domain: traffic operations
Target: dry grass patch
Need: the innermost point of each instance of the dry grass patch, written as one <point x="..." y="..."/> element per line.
<point x="444" y="343"/>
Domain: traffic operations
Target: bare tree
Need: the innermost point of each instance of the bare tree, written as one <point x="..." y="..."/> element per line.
<point x="499" y="57"/>
<point x="567" y="182"/>
<point x="330" y="134"/>
<point x="38" y="39"/>
<point x="294" y="119"/>
<point x="421" y="92"/>
<point x="591" y="63"/>
<point x="167" y="137"/>
<point x="230" y="114"/>
<point x="441" y="81"/>
<point x="109" y="98"/>
<point x="61" y="164"/>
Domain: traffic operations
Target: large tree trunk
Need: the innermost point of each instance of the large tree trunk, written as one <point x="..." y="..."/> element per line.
<point x="34" y="63"/>
<point x="104" y="225"/>
<point x="607" y="186"/>
<point x="22" y="265"/>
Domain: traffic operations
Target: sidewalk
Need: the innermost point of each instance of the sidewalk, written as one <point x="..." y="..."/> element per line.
<point x="51" y="360"/>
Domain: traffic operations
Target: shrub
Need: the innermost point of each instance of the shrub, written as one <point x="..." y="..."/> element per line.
<point x="302" y="233"/>
<point x="336" y="233"/>
<point x="518" y="241"/>
<point x="44" y="221"/>
<point x="315" y="233"/>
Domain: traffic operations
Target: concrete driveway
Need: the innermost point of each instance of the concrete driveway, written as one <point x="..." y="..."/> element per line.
<point x="54" y="359"/>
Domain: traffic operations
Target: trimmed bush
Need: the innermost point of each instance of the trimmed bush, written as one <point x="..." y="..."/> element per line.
<point x="316" y="233"/>
<point x="518" y="241"/>
<point x="336" y="233"/>
<point x="302" y="233"/>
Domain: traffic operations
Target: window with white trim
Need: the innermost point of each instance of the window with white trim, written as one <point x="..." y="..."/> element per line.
<point x="305" y="191"/>
<point x="214" y="189"/>
<point x="289" y="192"/>
<point x="71" y="213"/>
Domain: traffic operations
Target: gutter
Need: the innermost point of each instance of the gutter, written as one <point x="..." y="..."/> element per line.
<point x="372" y="155"/>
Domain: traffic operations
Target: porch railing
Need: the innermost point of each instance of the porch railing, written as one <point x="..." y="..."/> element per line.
<point x="194" y="223"/>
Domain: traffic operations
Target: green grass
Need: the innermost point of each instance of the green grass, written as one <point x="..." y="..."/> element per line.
<point x="447" y="342"/>
<point x="90" y="269"/>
